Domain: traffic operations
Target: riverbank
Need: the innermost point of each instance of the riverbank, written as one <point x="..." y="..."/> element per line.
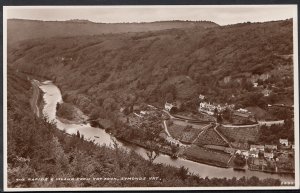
<point x="272" y="172"/>
<point x="166" y="150"/>
<point x="169" y="153"/>
<point x="70" y="114"/>
<point x="36" y="101"/>
<point x="161" y="150"/>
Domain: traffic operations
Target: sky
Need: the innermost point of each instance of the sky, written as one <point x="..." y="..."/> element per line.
<point x="222" y="15"/>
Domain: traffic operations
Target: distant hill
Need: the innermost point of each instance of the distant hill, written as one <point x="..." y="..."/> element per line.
<point x="19" y="29"/>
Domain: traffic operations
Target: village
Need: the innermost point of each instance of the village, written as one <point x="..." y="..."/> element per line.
<point x="218" y="135"/>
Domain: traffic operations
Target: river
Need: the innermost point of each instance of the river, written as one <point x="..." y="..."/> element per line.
<point x="52" y="96"/>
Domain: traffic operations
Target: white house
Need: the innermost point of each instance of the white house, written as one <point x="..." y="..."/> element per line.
<point x="257" y="147"/>
<point x="122" y="109"/>
<point x="221" y="108"/>
<point x="242" y="110"/>
<point x="245" y="154"/>
<point x="238" y="152"/>
<point x="206" y="108"/>
<point x="271" y="147"/>
<point x="140" y="116"/>
<point x="201" y="97"/>
<point x="253" y="153"/>
<point x="143" y="112"/>
<point x="168" y="106"/>
<point x="266" y="92"/>
<point x="231" y="107"/>
<point x="284" y="142"/>
<point x="255" y="84"/>
<point x="268" y="155"/>
<point x="270" y="123"/>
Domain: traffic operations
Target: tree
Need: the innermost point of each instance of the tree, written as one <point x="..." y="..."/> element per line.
<point x="239" y="161"/>
<point x="109" y="104"/>
<point x="78" y="134"/>
<point x="245" y="84"/>
<point x="253" y="181"/>
<point x="168" y="92"/>
<point x="169" y="97"/>
<point x="216" y="112"/>
<point x="183" y="173"/>
<point x="57" y="106"/>
<point x="152" y="153"/>
<point x="174" y="148"/>
<point x="219" y="118"/>
<point x="94" y="114"/>
<point x="227" y="114"/>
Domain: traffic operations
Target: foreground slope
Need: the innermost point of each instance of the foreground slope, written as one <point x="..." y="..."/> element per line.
<point x="37" y="150"/>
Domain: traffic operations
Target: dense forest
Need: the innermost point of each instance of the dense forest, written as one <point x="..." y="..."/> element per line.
<point x="173" y="64"/>
<point x="37" y="149"/>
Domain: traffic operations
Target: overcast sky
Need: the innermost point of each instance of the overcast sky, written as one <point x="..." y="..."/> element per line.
<point x="222" y="15"/>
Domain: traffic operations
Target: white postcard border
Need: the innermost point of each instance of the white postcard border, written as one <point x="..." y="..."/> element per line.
<point x="296" y="103"/>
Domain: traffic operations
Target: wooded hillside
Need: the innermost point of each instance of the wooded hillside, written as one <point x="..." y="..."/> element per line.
<point x="111" y="70"/>
<point x="37" y="149"/>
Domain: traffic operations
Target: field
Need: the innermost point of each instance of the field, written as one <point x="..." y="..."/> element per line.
<point x="240" y="134"/>
<point x="192" y="116"/>
<point x="185" y="134"/>
<point x="210" y="137"/>
<point x="204" y="155"/>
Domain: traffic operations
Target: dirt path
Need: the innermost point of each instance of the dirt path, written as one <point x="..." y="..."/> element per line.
<point x="204" y="129"/>
<point x="215" y="128"/>
<point x="170" y="138"/>
<point x="166" y="128"/>
<point x="240" y="126"/>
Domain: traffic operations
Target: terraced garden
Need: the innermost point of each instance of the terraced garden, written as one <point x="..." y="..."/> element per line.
<point x="183" y="133"/>
<point x="240" y="134"/>
<point x="204" y="155"/>
<point x="210" y="137"/>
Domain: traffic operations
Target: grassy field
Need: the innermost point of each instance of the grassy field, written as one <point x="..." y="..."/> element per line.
<point x="194" y="125"/>
<point x="240" y="134"/>
<point x="210" y="137"/>
<point x="203" y="155"/>
<point x="184" y="134"/>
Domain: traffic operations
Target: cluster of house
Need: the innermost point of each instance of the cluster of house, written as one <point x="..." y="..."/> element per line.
<point x="141" y="114"/>
<point x="207" y="108"/>
<point x="256" y="149"/>
<point x="210" y="108"/>
<point x="267" y="150"/>
<point x="265" y="92"/>
<point x="239" y="115"/>
<point x="62" y="58"/>
<point x="242" y="115"/>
